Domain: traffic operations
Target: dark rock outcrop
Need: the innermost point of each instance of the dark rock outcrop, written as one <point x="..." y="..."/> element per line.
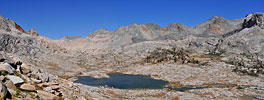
<point x="255" y="19"/>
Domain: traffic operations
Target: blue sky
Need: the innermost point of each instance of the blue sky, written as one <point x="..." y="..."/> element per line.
<point x="58" y="18"/>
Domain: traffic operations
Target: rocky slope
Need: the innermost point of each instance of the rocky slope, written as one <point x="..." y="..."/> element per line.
<point x="223" y="56"/>
<point x="20" y="80"/>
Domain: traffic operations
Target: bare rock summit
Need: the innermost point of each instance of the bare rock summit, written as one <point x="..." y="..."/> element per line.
<point x="32" y="32"/>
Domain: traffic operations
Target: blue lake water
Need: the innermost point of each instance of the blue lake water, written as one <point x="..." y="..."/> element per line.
<point x="124" y="81"/>
<point x="128" y="81"/>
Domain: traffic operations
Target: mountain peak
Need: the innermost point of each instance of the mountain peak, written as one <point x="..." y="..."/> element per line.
<point x="1" y="17"/>
<point x="32" y="32"/>
<point x="177" y="27"/>
<point x="101" y="30"/>
<point x="216" y="17"/>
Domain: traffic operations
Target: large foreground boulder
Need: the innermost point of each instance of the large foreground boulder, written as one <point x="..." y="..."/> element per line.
<point x="5" y="67"/>
<point x="46" y="95"/>
<point x="10" y="85"/>
<point x="15" y="79"/>
<point x="28" y="87"/>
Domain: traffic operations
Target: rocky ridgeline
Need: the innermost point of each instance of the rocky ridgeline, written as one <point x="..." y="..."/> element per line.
<point x="20" y="81"/>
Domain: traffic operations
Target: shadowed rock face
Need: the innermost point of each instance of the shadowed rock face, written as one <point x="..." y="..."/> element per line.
<point x="19" y="28"/>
